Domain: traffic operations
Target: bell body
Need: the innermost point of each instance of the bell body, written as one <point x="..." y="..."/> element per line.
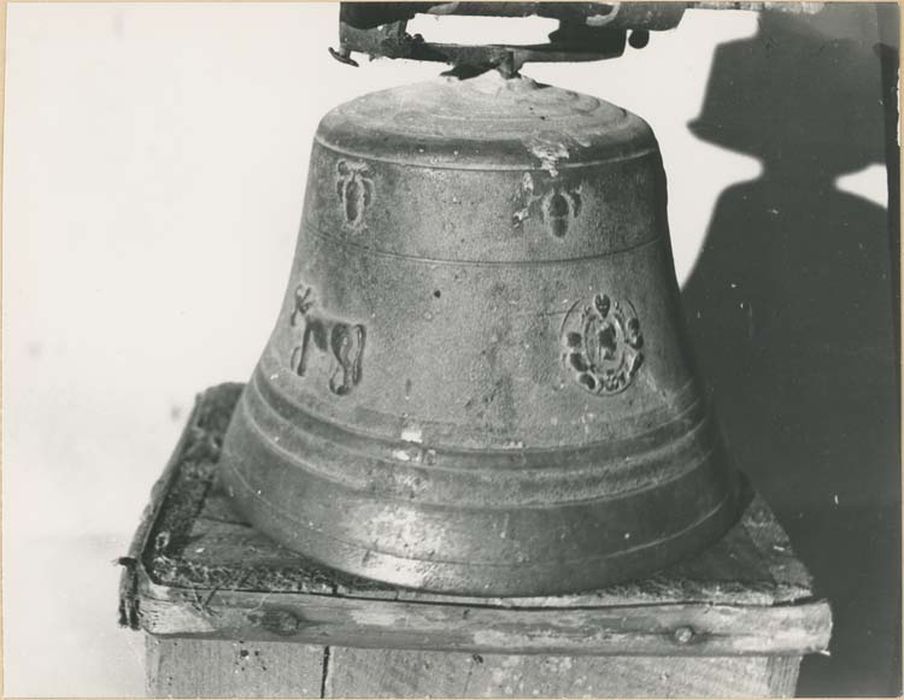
<point x="479" y="382"/>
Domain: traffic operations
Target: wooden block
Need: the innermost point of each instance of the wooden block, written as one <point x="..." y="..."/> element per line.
<point x="217" y="668"/>
<point x="734" y="620"/>
<point x="401" y="673"/>
<point x="188" y="668"/>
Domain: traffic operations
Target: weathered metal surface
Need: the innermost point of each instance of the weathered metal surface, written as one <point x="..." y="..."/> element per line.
<point x="478" y="381"/>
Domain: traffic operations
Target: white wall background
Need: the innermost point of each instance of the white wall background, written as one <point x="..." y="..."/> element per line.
<point x="154" y="165"/>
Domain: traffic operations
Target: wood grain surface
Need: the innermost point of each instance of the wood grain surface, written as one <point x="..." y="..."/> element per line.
<point x="217" y="668"/>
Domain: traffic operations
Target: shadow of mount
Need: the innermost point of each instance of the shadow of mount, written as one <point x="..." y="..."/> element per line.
<point x="791" y="308"/>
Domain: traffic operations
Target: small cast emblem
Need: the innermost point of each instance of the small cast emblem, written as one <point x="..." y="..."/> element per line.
<point x="602" y="344"/>
<point x="355" y="189"/>
<point x="342" y="342"/>
<point x="556" y="204"/>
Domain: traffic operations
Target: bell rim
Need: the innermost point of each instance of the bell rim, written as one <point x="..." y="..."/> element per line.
<point x="479" y="579"/>
<point x="360" y="531"/>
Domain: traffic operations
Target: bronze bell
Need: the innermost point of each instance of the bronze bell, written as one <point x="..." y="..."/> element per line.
<point x="479" y="381"/>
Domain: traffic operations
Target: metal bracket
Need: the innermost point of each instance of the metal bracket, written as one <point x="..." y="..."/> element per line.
<point x="588" y="31"/>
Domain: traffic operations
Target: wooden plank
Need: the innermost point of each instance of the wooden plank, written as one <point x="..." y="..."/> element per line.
<point x="187" y="668"/>
<point x="670" y="630"/>
<point x="207" y="668"/>
<point x="402" y="673"/>
<point x="203" y="429"/>
<point x="781" y="675"/>
<point x="770" y="539"/>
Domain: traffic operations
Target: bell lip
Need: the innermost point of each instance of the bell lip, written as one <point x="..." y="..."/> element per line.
<point x="325" y="518"/>
<point x="519" y="580"/>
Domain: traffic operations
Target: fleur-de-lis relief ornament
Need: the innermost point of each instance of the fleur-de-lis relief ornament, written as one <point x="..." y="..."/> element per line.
<point x="556" y="207"/>
<point x="355" y="189"/>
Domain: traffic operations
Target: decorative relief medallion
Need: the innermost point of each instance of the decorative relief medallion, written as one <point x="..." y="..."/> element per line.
<point x="602" y="344"/>
<point x="557" y="206"/>
<point x="355" y="189"/>
<point x="342" y="342"/>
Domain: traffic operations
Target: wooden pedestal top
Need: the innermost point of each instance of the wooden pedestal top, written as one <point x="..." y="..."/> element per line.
<point x="196" y="569"/>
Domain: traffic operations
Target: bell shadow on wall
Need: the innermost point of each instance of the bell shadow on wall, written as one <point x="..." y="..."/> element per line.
<point x="791" y="308"/>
